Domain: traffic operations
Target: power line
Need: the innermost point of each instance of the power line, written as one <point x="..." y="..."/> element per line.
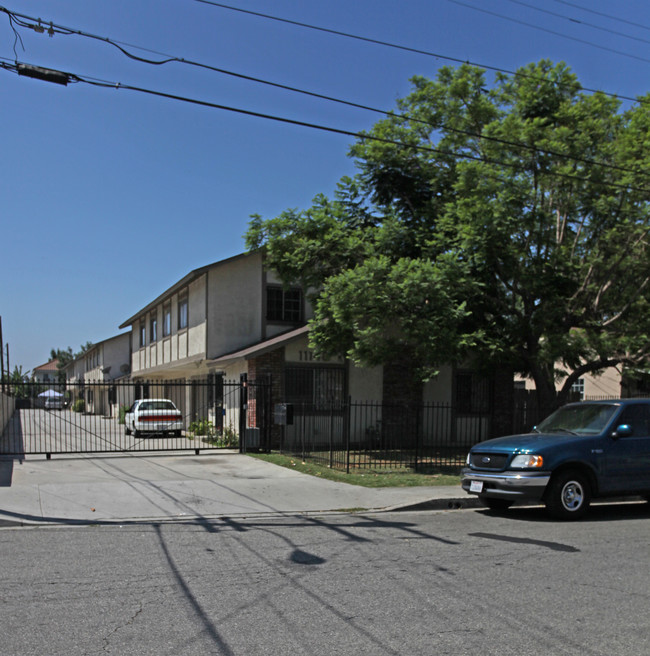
<point x="72" y="77"/>
<point x="576" y="20"/>
<point x="396" y="46"/>
<point x="54" y="28"/>
<point x="600" y="13"/>
<point x="544" y="29"/>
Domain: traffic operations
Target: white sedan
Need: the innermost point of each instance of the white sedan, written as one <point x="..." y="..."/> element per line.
<point x="159" y="416"/>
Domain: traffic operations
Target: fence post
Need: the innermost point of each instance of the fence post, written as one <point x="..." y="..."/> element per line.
<point x="417" y="434"/>
<point x="346" y="427"/>
<point x="331" y="438"/>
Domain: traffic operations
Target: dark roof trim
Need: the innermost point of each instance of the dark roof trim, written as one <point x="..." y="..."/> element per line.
<point x="261" y="347"/>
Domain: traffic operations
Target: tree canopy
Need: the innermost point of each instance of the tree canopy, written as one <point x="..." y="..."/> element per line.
<point x="507" y="222"/>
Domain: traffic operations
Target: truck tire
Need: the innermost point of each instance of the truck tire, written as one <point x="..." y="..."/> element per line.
<point x="568" y="495"/>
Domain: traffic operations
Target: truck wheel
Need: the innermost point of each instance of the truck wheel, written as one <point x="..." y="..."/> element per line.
<point x="497" y="505"/>
<point x="568" y="495"/>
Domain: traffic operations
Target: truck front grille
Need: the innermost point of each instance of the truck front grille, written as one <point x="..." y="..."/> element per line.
<point x="489" y="460"/>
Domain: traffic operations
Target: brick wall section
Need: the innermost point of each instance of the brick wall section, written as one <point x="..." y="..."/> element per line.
<point x="503" y="414"/>
<point x="268" y="365"/>
<point x="402" y="396"/>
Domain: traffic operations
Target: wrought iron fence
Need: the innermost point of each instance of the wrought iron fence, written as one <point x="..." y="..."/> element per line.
<point x="89" y="417"/>
<point x="383" y="436"/>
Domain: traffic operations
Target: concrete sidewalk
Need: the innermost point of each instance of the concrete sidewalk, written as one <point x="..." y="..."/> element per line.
<point x="154" y="487"/>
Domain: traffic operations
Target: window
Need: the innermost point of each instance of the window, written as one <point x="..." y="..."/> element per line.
<point x="141" y="392"/>
<point x="167" y="320"/>
<point x="323" y="388"/>
<point x="578" y="390"/>
<point x="153" y="329"/>
<point x="283" y="304"/>
<point x="182" y="312"/>
<point x="143" y="334"/>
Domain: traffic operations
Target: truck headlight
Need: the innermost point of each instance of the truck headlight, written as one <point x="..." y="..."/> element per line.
<point x="527" y="461"/>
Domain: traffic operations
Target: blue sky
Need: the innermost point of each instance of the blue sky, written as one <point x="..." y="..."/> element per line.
<point x="109" y="196"/>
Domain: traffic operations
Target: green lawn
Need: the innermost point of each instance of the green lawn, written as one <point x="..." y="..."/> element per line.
<point x="365" y="477"/>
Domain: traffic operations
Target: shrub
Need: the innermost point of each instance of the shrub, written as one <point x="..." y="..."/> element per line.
<point x="123" y="410"/>
<point x="202" y="427"/>
<point x="79" y="405"/>
<point x="225" y="438"/>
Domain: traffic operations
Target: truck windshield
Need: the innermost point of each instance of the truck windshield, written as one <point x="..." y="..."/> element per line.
<point x="587" y="419"/>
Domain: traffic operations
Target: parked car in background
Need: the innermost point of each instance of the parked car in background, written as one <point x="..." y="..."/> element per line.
<point x="54" y="403"/>
<point x="153" y="416"/>
<point x="582" y="451"/>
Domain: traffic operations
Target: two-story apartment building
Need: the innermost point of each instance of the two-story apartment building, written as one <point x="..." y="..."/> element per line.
<point x="235" y="319"/>
<point x="93" y="375"/>
<point x="213" y="311"/>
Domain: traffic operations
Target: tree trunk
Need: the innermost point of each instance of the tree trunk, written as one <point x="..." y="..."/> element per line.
<point x="547" y="397"/>
<point x="402" y="398"/>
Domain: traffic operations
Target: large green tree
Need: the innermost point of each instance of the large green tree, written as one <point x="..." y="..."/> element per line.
<point x="504" y="221"/>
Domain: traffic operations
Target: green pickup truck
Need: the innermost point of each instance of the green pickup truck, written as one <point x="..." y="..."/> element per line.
<point x="582" y="451"/>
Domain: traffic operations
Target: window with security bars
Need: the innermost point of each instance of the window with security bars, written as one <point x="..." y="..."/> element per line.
<point x="283" y="304"/>
<point x="323" y="388"/>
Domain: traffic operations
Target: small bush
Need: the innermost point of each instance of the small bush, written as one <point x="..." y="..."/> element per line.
<point x="123" y="410"/>
<point x="225" y="438"/>
<point x="79" y="406"/>
<point x="202" y="427"/>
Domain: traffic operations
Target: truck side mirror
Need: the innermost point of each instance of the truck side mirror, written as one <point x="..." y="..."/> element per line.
<point x="624" y="430"/>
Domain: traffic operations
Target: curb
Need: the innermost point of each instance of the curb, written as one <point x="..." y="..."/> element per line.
<point x="439" y="504"/>
<point x="432" y="504"/>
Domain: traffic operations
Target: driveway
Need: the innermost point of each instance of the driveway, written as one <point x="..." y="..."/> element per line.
<point x="176" y="486"/>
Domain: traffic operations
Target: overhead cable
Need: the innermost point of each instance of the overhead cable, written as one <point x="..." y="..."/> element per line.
<point x="544" y="29"/>
<point x="14" y="67"/>
<point x="580" y="22"/>
<point x="53" y="28"/>
<point x="604" y="15"/>
<point x="396" y="46"/>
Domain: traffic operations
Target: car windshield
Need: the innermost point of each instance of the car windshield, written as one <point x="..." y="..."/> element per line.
<point x="157" y="405"/>
<point x="587" y="419"/>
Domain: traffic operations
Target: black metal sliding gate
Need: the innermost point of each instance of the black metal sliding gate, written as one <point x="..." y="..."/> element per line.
<point x="88" y="417"/>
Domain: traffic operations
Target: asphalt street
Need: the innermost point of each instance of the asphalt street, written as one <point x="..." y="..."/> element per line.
<point x="456" y="583"/>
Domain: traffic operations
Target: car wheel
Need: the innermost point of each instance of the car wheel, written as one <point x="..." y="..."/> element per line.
<point x="497" y="505"/>
<point x="177" y="433"/>
<point x="136" y="434"/>
<point x="568" y="495"/>
<point x="127" y="431"/>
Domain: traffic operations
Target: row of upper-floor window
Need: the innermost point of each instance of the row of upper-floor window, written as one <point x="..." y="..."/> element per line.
<point x="282" y="305"/>
<point x="149" y="333"/>
<point x="92" y="361"/>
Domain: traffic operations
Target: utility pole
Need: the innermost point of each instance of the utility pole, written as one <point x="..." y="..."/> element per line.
<point x="2" y="358"/>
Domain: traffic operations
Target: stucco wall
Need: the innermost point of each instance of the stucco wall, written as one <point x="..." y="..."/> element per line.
<point x="234" y="302"/>
<point x="607" y="384"/>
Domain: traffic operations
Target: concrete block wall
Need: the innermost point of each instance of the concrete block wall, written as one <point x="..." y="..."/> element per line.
<point x="7" y="407"/>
